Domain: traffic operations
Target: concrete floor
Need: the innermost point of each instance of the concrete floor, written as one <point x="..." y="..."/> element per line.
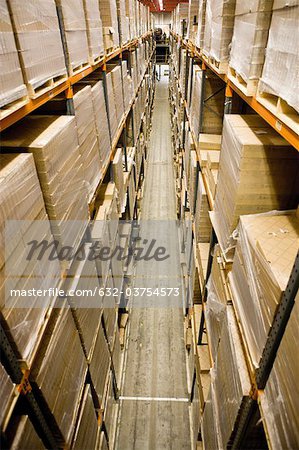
<point x="154" y="413"/>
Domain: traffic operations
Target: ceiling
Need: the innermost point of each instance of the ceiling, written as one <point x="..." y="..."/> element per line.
<point x="168" y="5"/>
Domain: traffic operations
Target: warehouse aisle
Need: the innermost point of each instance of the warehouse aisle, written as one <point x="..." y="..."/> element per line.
<point x="154" y="411"/>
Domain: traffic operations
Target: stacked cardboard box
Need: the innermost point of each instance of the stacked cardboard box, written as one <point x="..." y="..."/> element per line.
<point x="280" y="399"/>
<point x="12" y="85"/>
<point x="111" y="107"/>
<point x="118" y="176"/>
<point x="201" y="19"/>
<point x="94" y="30"/>
<point x="60" y="370"/>
<point x="26" y="436"/>
<point x="123" y="22"/>
<point x="108" y="11"/>
<point x="53" y="141"/>
<point x="74" y="30"/>
<point x="250" y="147"/>
<point x="202" y="219"/>
<point x="130" y="13"/>
<point x="87" y="309"/>
<point x="88" y="141"/>
<point x="22" y="201"/>
<point x="280" y="75"/>
<point x="183" y="72"/>
<point x="192" y="20"/>
<point x="100" y="366"/>
<point x="230" y="385"/>
<point x="101" y="116"/>
<point x="265" y="254"/>
<point x="38" y="42"/>
<point x="252" y="21"/>
<point x="128" y="89"/>
<point x="109" y="412"/>
<point x="219" y="26"/>
<point x="116" y="76"/>
<point x="87" y="427"/>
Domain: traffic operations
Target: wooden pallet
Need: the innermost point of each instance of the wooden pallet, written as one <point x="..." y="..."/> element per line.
<point x="11" y="107"/>
<point x="247" y="87"/>
<point x="220" y="67"/>
<point x="94" y="61"/>
<point x="279" y="107"/>
<point x="77" y="69"/>
<point x="51" y="83"/>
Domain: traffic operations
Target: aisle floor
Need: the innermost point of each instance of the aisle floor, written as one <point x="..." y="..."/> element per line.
<point x="154" y="411"/>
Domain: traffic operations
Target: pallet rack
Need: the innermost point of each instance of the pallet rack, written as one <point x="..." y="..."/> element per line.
<point x="26" y="390"/>
<point x="252" y="406"/>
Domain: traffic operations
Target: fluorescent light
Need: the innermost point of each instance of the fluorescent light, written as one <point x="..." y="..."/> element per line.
<point x="161" y="5"/>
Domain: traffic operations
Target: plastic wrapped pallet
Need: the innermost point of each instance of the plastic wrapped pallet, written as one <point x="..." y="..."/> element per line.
<point x="203" y="226"/>
<point x="192" y="20"/>
<point x="109" y="411"/>
<point x="60" y="370"/>
<point x="230" y="380"/>
<point x="6" y="392"/>
<point x="38" y="42"/>
<point x="128" y="89"/>
<point x="22" y="201"/>
<point x="130" y="13"/>
<point x="100" y="365"/>
<point x="265" y="254"/>
<point x="219" y="29"/>
<point x="116" y="76"/>
<point x="87" y="309"/>
<point x="12" y="85"/>
<point x="250" y="146"/>
<point x="74" y="30"/>
<point x="94" y="30"/>
<point x="280" y="398"/>
<point x="101" y="116"/>
<point x="87" y="427"/>
<point x="118" y="175"/>
<point x="201" y="19"/>
<point x="89" y="144"/>
<point x="25" y="436"/>
<point x="208" y="425"/>
<point x="249" y="41"/>
<point x="108" y="11"/>
<point x="53" y="141"/>
<point x="123" y="22"/>
<point x="280" y="74"/>
<point x="216" y="305"/>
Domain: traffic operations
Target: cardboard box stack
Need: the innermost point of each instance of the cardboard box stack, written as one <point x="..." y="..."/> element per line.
<point x="74" y="29"/>
<point x="6" y="391"/>
<point x="26" y="436"/>
<point x="280" y="399"/>
<point x="94" y="30"/>
<point x="280" y="74"/>
<point x="219" y="26"/>
<point x="53" y="141"/>
<point x="87" y="427"/>
<point x="130" y="13"/>
<point x="116" y="76"/>
<point x="22" y="201"/>
<point x="252" y="21"/>
<point x="123" y="22"/>
<point x="108" y="11"/>
<point x="87" y="134"/>
<point x="230" y="384"/>
<point x="12" y="85"/>
<point x="201" y="19"/>
<point x="203" y="226"/>
<point x="192" y="20"/>
<point x="250" y="146"/>
<point x="60" y="370"/>
<point x="265" y="254"/>
<point x="38" y="43"/>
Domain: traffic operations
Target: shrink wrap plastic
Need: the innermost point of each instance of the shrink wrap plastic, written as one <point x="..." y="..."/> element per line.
<point x="12" y="85"/>
<point x="94" y="29"/>
<point x="281" y="395"/>
<point x="38" y="41"/>
<point x="280" y="73"/>
<point x="87" y="428"/>
<point x="201" y="23"/>
<point x="265" y="254"/>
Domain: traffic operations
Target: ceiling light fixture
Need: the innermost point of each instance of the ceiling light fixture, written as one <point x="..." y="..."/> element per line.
<point x="161" y="5"/>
